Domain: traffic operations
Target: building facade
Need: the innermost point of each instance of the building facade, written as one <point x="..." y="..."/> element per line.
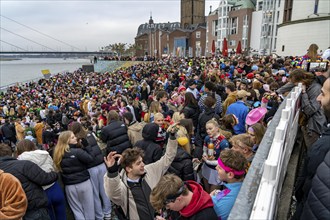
<point x="170" y="39"/>
<point x="302" y="23"/>
<point x="233" y="22"/>
<point x="184" y="39"/>
<point x="211" y="31"/>
<point x="270" y="20"/>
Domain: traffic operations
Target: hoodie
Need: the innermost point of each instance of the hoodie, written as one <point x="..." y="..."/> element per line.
<point x="200" y="201"/>
<point x="42" y="159"/>
<point x="13" y="202"/>
<point x="134" y="132"/>
<point x="152" y="151"/>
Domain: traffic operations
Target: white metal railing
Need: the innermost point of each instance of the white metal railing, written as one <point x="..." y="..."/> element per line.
<point x="259" y="194"/>
<point x="275" y="167"/>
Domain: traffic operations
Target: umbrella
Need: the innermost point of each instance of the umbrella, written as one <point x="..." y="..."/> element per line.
<point x="225" y="48"/>
<point x="213" y="48"/>
<point x="239" y="48"/>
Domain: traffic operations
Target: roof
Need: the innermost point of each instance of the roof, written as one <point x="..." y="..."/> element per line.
<point x="242" y="3"/>
<point x="169" y="27"/>
<point x="245" y="4"/>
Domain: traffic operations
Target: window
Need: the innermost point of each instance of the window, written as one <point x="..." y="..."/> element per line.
<point x="198" y="34"/>
<point x="244" y="43"/>
<point x="260" y="6"/>
<point x="233" y="26"/>
<point x="287" y="10"/>
<point x="198" y="48"/>
<point x="283" y="48"/>
<point x="214" y="27"/>
<point x="316" y="6"/>
<point x="246" y="20"/>
<point x="232" y="43"/>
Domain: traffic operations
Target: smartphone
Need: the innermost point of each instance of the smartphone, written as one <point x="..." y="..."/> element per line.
<point x="317" y="66"/>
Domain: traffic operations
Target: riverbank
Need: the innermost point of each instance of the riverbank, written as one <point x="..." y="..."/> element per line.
<point x="8" y="59"/>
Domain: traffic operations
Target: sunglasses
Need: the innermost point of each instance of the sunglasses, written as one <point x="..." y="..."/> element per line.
<point x="172" y="198"/>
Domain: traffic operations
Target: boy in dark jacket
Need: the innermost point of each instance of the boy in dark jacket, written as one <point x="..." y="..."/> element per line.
<point x="152" y="150"/>
<point x="187" y="198"/>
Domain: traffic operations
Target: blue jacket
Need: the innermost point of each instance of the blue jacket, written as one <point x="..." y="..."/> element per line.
<point x="224" y="204"/>
<point x="240" y="110"/>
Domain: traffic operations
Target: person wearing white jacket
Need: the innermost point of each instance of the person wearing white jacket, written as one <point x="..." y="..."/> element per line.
<point x="26" y="150"/>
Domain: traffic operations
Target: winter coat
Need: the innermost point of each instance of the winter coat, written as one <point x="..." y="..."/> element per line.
<point x="152" y="150"/>
<point x="134" y="132"/>
<point x="115" y="135"/>
<point x="20" y="131"/>
<point x="182" y="165"/>
<point x="317" y="205"/>
<point x="8" y="131"/>
<point x="38" y="131"/>
<point x="315" y="156"/>
<point x="12" y="198"/>
<point x="240" y="110"/>
<point x="42" y="159"/>
<point x="316" y="120"/>
<point x="32" y="177"/>
<point x="94" y="150"/>
<point x="192" y="112"/>
<point x="74" y="166"/>
<point x="139" y="208"/>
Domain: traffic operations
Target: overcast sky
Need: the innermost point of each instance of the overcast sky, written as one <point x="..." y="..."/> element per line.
<point x="85" y="24"/>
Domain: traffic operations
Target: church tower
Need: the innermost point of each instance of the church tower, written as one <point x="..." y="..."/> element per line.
<point x="192" y="12"/>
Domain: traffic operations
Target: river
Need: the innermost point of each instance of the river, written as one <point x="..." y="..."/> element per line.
<point x="30" y="68"/>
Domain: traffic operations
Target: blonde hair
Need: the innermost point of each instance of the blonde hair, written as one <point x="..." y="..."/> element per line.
<point x="244" y="139"/>
<point x="177" y="116"/>
<point x="158" y="115"/>
<point x="182" y="132"/>
<point x="153" y="109"/>
<point x="62" y="146"/>
<point x="214" y="122"/>
<point x="312" y="52"/>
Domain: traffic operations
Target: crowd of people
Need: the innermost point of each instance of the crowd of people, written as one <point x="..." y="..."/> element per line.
<point x="171" y="138"/>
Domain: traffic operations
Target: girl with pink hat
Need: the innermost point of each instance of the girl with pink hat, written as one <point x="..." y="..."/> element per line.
<point x="256" y="116"/>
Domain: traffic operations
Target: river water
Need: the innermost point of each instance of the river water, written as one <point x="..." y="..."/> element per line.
<point x="30" y="68"/>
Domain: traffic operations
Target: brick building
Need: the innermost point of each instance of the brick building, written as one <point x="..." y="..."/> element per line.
<point x="231" y="20"/>
<point x="187" y="38"/>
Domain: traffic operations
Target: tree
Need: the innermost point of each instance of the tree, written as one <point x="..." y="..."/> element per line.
<point x="122" y="49"/>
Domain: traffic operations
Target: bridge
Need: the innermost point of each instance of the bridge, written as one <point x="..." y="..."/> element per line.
<point x="56" y="52"/>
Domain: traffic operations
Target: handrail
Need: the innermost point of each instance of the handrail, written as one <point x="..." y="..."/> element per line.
<point x="259" y="194"/>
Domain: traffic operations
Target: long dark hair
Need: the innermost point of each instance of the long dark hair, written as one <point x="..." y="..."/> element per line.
<point x="301" y="76"/>
<point x="189" y="99"/>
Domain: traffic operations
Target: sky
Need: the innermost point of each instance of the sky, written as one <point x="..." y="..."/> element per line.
<point x="85" y="25"/>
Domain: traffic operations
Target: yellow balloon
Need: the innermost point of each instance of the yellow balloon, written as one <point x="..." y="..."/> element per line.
<point x="182" y="141"/>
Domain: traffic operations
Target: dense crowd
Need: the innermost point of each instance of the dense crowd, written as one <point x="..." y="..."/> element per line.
<point x="173" y="134"/>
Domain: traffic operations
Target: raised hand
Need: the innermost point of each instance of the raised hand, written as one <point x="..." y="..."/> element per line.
<point x="110" y="160"/>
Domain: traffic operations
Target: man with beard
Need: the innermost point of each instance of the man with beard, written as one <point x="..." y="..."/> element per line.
<point x="315" y="206"/>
